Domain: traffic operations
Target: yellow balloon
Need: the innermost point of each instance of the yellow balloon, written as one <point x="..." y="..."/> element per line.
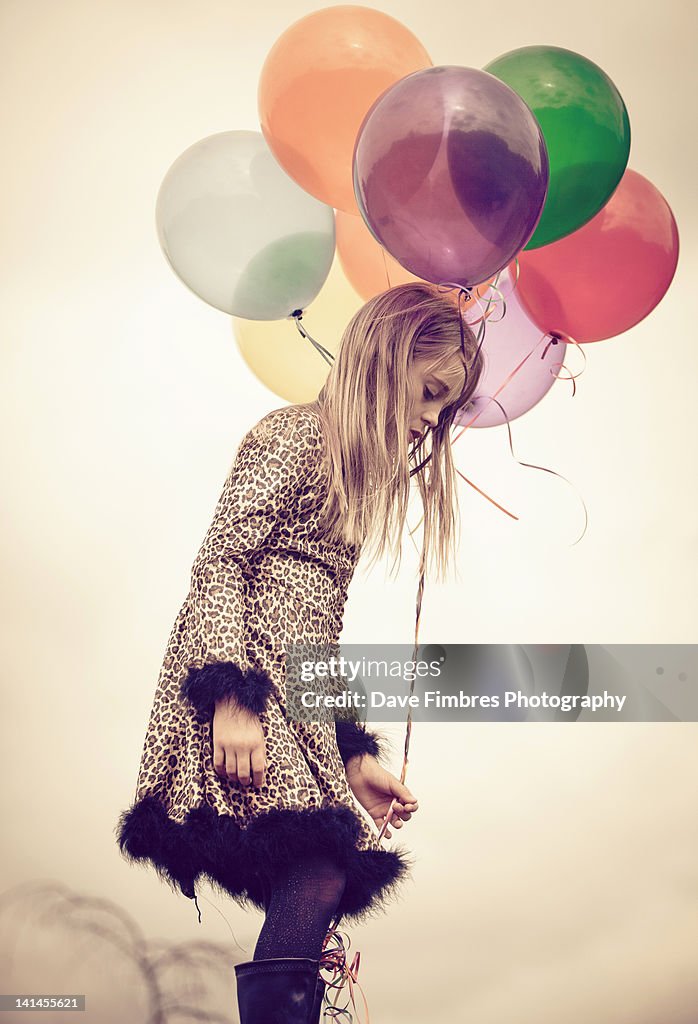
<point x="278" y="354"/>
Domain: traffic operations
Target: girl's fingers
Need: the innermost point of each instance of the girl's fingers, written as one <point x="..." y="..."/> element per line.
<point x="402" y="811"/>
<point x="403" y="794"/>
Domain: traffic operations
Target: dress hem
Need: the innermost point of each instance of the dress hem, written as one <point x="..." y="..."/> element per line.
<point x="236" y="860"/>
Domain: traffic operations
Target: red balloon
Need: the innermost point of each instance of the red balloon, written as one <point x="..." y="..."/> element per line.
<point x="608" y="275"/>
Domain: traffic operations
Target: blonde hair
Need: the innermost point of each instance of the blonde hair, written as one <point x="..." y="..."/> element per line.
<point x="365" y="413"/>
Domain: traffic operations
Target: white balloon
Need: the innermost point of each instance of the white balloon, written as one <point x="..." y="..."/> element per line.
<point x="239" y="232"/>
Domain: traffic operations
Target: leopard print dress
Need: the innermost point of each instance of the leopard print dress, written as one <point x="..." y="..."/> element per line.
<point x="265" y="577"/>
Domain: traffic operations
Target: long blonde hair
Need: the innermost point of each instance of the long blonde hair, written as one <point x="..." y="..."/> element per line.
<point x="365" y="414"/>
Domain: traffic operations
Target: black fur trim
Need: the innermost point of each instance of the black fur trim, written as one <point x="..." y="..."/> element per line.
<point x="203" y="687"/>
<point x="353" y="738"/>
<point x="234" y="860"/>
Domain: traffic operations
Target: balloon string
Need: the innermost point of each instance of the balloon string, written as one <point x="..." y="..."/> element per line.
<point x="480" y="491"/>
<point x="475" y="297"/>
<point x="518" y="273"/>
<point x="532" y="465"/>
<point x="385" y="266"/>
<point x="325" y="353"/>
<point x="405" y="760"/>
<point x="554" y="339"/>
<point x="418" y="613"/>
<point x="563" y="336"/>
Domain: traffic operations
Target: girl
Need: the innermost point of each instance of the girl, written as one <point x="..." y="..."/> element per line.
<point x="267" y="809"/>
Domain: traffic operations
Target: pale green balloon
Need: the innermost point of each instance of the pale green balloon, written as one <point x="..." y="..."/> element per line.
<point x="239" y="232"/>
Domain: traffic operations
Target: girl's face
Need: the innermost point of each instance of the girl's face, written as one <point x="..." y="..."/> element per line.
<point x="428" y="394"/>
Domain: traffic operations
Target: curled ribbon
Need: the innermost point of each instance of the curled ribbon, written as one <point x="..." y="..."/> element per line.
<point x="335" y="960"/>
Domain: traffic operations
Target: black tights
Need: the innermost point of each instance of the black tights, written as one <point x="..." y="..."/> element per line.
<point x="300" y="904"/>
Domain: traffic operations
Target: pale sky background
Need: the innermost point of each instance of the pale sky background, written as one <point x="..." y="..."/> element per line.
<point x="556" y="872"/>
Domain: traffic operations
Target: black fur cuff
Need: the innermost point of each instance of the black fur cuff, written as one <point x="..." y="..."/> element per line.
<point x="203" y="687"/>
<point x="353" y="738"/>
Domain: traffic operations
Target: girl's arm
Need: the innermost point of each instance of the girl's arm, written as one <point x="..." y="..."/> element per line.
<point x="267" y="472"/>
<point x="353" y="739"/>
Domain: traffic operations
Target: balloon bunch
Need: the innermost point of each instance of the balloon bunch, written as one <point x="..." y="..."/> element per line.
<point x="374" y="167"/>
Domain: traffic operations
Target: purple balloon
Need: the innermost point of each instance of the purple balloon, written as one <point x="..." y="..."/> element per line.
<point x="451" y="173"/>
<point x="506" y="343"/>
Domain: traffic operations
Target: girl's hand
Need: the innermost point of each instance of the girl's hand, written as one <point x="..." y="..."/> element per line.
<point x="375" y="788"/>
<point x="239" y="747"/>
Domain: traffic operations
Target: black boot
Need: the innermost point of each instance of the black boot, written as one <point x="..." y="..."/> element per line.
<point x="317" y="1004"/>
<point x="277" y="991"/>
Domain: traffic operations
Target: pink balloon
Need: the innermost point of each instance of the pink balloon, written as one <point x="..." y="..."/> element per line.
<point x="609" y="274"/>
<point x="507" y="342"/>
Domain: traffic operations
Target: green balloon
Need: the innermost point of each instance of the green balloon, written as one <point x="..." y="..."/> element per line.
<point x="586" y="129"/>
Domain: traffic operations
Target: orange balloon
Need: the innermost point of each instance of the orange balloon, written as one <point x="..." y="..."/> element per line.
<point x="369" y="267"/>
<point x="318" y="82"/>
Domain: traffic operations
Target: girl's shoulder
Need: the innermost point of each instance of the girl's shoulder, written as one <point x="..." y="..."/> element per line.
<point x="296" y="424"/>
